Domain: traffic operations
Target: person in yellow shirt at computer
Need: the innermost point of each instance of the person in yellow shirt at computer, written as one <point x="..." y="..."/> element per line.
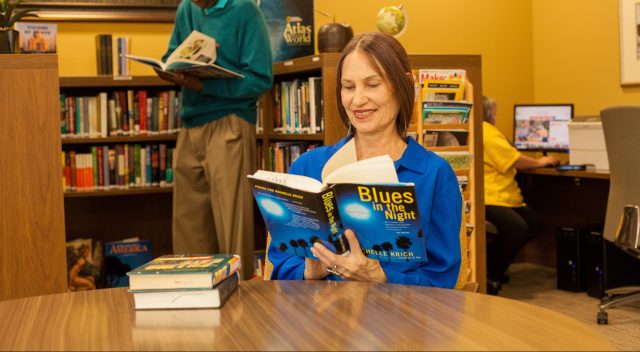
<point x="505" y="207"/>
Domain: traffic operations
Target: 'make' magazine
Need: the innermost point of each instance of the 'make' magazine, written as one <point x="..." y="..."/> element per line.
<point x="364" y="196"/>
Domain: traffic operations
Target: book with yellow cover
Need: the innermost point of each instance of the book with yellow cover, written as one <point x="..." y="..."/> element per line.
<point x="442" y="84"/>
<point x="184" y="271"/>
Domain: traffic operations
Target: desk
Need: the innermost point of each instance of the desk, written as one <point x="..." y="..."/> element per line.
<point x="294" y="315"/>
<point x="562" y="198"/>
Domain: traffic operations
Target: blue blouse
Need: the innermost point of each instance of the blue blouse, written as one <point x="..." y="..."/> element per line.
<point x="440" y="206"/>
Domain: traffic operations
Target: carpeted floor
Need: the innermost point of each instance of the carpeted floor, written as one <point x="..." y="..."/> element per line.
<point x="536" y="284"/>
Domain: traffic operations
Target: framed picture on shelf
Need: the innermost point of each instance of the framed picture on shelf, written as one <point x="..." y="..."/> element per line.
<point x="104" y="10"/>
<point x="629" y="42"/>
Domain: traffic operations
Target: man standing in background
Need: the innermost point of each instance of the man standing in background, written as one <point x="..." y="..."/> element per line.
<point x="216" y="149"/>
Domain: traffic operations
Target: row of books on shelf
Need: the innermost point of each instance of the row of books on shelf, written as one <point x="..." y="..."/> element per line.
<point x="120" y="167"/>
<point x="110" y="55"/>
<point x="298" y="106"/>
<point x="120" y="113"/>
<point x="281" y="154"/>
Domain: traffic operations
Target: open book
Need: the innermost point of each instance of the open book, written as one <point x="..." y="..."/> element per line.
<point x="364" y="196"/>
<point x="194" y="56"/>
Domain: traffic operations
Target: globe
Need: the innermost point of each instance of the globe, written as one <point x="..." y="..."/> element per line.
<point x="391" y="20"/>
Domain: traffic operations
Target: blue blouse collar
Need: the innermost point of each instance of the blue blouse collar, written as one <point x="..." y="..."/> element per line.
<point x="414" y="157"/>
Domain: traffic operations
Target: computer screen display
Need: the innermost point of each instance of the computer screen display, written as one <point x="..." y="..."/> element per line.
<point x="542" y="127"/>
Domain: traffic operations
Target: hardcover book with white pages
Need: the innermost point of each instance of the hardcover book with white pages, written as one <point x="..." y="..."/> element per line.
<point x="194" y="56"/>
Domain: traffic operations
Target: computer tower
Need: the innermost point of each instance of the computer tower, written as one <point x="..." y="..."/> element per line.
<point x="569" y="248"/>
<point x="606" y="265"/>
<point x="594" y="263"/>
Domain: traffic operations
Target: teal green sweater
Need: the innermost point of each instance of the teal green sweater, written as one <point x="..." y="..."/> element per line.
<point x="241" y="31"/>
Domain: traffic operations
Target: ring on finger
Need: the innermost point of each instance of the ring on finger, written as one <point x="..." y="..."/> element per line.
<point x="334" y="270"/>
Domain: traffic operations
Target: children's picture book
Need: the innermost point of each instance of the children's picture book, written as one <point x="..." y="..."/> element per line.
<point x="290" y="25"/>
<point x="445" y="112"/>
<point x="194" y="56"/>
<point x="83" y="265"/>
<point x="186" y="298"/>
<point x="122" y="256"/>
<point x="445" y="138"/>
<point x="364" y="196"/>
<point x="37" y="38"/>
<point x="183" y="271"/>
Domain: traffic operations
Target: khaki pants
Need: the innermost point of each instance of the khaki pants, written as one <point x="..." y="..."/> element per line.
<point x="212" y="199"/>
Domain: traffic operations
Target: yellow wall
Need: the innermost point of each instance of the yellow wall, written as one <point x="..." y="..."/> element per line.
<point x="577" y="55"/>
<point x="532" y="51"/>
<point x="77" y="50"/>
<point x="499" y="30"/>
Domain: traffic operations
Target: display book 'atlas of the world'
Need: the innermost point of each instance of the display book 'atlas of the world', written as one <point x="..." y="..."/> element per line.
<point x="364" y="196"/>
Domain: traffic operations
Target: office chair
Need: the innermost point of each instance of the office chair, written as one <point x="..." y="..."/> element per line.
<point x="622" y="223"/>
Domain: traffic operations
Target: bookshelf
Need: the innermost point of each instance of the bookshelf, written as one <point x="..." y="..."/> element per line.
<point x="118" y="213"/>
<point x="324" y="65"/>
<point x="32" y="255"/>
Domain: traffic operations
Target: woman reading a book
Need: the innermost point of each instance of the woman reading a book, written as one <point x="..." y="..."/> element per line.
<point x="375" y="92"/>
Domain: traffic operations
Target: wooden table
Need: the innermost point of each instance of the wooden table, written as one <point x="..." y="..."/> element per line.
<point x="294" y="315"/>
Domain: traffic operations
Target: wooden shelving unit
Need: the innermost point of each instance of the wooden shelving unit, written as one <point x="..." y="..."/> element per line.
<point x="114" y="214"/>
<point x="32" y="254"/>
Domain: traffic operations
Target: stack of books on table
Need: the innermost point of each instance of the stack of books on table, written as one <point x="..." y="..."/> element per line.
<point x="185" y="281"/>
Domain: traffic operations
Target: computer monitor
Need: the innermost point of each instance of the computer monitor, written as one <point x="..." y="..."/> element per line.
<point x="542" y="127"/>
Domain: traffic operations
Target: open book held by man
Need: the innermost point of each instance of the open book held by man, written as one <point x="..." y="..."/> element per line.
<point x="364" y="196"/>
<point x="194" y="56"/>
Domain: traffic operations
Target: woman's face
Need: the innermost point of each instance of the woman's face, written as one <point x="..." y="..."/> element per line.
<point x="367" y="97"/>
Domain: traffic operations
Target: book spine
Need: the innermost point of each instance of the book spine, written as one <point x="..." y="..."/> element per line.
<point x="107" y="53"/>
<point x="102" y="103"/>
<point x="171" y="117"/>
<point x="163" y="164"/>
<point x="120" y="162"/>
<point x="113" y="168"/>
<point x="99" y="66"/>
<point x="336" y="231"/>
<point x="226" y="289"/>
<point x="137" y="166"/>
<point x="131" y="111"/>
<point x="155" y="165"/>
<point x="105" y="166"/>
<point x="169" y="172"/>
<point x="72" y="169"/>
<point x="64" y="179"/>
<point x="67" y="172"/>
<point x="99" y="167"/>
<point x="142" y="113"/>
<point x="124" y="117"/>
<point x="143" y="166"/>
<point x="232" y="266"/>
<point x="71" y="127"/>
